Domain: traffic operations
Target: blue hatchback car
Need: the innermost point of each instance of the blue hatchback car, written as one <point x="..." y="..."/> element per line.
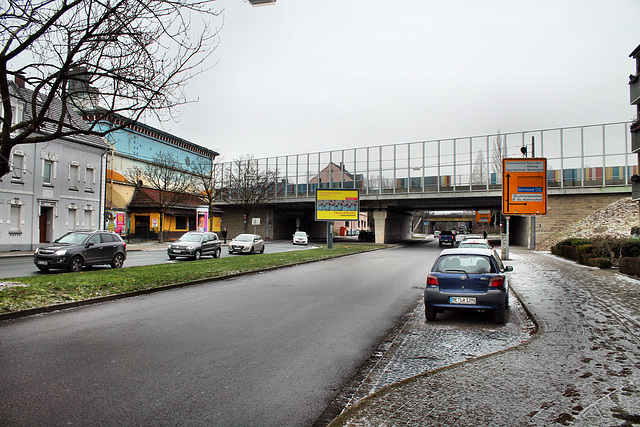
<point x="467" y="279"/>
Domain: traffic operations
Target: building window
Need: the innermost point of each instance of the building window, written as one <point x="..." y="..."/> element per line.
<point x="73" y="176"/>
<point x="181" y="222"/>
<point x="47" y="172"/>
<point x="71" y="221"/>
<point x="89" y="178"/>
<point x="87" y="220"/>
<point x="14" y="224"/>
<point x="17" y="166"/>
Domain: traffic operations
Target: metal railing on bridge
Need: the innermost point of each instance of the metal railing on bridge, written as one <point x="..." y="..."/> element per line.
<point x="580" y="156"/>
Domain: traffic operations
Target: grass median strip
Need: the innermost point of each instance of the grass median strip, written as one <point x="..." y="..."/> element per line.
<point x="45" y="290"/>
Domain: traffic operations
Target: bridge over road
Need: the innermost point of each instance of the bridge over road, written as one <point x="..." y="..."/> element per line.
<point x="588" y="167"/>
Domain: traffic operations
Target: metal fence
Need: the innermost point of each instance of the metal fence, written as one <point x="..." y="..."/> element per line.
<point x="580" y="156"/>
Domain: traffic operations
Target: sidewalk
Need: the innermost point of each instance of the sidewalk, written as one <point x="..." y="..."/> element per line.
<point x="581" y="368"/>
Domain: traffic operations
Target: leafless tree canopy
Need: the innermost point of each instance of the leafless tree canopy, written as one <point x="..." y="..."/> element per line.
<point x="206" y="180"/>
<point x="165" y="176"/>
<point x="102" y="56"/>
<point x="498" y="151"/>
<point x="247" y="186"/>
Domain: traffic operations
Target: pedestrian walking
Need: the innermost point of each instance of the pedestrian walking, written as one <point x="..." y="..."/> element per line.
<point x="224" y="235"/>
<point x="484" y="234"/>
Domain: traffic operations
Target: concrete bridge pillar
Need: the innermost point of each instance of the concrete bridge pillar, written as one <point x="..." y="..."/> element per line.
<point x="380" y="223"/>
<point x="391" y="226"/>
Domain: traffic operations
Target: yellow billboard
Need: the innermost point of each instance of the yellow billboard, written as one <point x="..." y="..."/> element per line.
<point x="337" y="205"/>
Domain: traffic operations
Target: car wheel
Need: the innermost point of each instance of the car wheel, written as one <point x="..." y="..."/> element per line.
<point x="262" y="250"/>
<point x="172" y="257"/>
<point x="430" y="314"/>
<point x="506" y="301"/>
<point x="42" y="268"/>
<point x="251" y="251"/>
<point x="75" y="264"/>
<point x="217" y="253"/>
<point x="118" y="261"/>
<point x="197" y="255"/>
<point x="500" y="316"/>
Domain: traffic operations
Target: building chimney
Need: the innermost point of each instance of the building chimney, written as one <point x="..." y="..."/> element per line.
<point x="19" y="81"/>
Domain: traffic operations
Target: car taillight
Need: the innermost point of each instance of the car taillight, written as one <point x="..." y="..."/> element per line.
<point x="125" y="247"/>
<point x="496" y="282"/>
<point x="432" y="280"/>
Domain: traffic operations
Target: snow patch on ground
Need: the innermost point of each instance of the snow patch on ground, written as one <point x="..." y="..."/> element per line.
<point x="615" y="220"/>
<point x="10" y="284"/>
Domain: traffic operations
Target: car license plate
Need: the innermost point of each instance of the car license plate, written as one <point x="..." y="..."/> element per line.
<point x="462" y="300"/>
<point x="42" y="263"/>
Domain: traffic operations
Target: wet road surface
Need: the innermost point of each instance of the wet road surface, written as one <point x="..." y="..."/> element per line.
<point x="263" y="349"/>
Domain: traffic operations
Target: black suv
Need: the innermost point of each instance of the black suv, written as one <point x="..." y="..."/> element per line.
<point x="79" y="248"/>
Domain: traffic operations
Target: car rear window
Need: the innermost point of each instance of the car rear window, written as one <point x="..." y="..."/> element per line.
<point x="470" y="264"/>
<point x="474" y="245"/>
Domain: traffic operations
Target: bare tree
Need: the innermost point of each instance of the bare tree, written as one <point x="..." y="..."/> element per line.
<point x="100" y="58"/>
<point x="498" y="151"/>
<point x="246" y="186"/>
<point x="206" y="180"/>
<point x="170" y="182"/>
<point x="479" y="176"/>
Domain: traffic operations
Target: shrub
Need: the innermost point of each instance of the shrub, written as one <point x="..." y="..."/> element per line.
<point x="610" y="246"/>
<point x="630" y="265"/>
<point x="564" y="250"/>
<point x="630" y="248"/>
<point x="574" y="241"/>
<point x="571" y="252"/>
<point x="599" y="262"/>
<point x="585" y="252"/>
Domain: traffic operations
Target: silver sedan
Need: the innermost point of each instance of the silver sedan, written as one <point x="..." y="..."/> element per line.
<point x="247" y="244"/>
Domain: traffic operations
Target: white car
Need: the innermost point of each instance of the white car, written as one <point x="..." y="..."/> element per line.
<point x="300" y="238"/>
<point x="246" y="243"/>
<point x="475" y="244"/>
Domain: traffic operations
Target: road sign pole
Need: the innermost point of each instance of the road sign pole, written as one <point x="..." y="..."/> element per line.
<point x="329" y="234"/>
<point x="505" y="253"/>
<point x="532" y="246"/>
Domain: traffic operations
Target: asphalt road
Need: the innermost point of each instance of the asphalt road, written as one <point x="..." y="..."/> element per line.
<point x="21" y="266"/>
<point x="270" y="349"/>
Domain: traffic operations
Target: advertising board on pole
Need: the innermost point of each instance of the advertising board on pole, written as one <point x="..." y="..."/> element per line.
<point x="203" y="218"/>
<point x="524" y="186"/>
<point x="337" y="205"/>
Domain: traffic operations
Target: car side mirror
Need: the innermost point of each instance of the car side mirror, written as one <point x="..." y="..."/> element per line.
<point x="508" y="268"/>
<point x="89" y="244"/>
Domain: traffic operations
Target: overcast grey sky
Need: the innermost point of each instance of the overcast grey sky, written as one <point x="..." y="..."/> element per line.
<point x="314" y="75"/>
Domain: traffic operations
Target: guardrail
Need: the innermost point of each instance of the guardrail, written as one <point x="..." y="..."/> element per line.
<point x="581" y="156"/>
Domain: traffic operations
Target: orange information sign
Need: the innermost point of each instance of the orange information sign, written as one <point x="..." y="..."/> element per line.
<point x="524" y="186"/>
<point x="483" y="215"/>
